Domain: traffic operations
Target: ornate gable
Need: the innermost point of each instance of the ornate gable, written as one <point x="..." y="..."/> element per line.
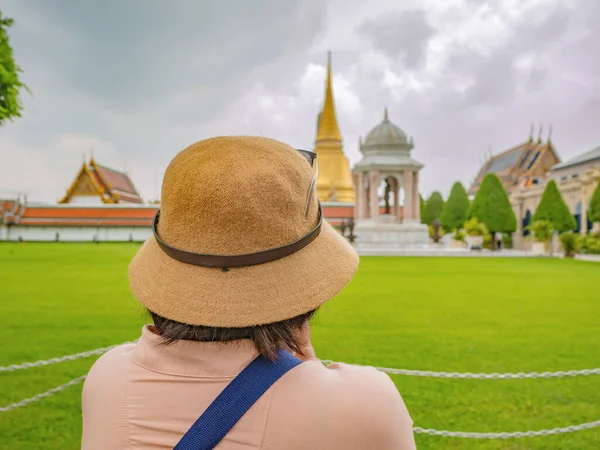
<point x="110" y="186"/>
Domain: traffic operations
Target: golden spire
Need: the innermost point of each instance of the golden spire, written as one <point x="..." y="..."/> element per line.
<point x="328" y="127"/>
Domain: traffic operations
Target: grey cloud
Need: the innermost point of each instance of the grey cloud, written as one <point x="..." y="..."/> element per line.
<point x="496" y="79"/>
<point x="135" y="54"/>
<point x="403" y="35"/>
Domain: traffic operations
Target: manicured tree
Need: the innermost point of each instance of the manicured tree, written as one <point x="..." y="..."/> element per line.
<point x="10" y="84"/>
<point x="553" y="208"/>
<point x="433" y="208"/>
<point x="595" y="205"/>
<point x="454" y="213"/>
<point x="492" y="207"/>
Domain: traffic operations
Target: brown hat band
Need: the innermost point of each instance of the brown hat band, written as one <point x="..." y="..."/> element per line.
<point x="250" y="259"/>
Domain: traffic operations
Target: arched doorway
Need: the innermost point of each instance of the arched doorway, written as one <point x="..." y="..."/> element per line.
<point x="391" y="196"/>
<point x="526" y="222"/>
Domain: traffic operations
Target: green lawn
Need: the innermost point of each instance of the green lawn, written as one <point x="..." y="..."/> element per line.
<point x="489" y="315"/>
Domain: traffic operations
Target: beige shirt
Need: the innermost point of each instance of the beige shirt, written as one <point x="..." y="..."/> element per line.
<point x="146" y="396"/>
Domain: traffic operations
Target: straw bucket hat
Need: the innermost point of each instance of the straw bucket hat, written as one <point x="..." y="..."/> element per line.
<point x="239" y="239"/>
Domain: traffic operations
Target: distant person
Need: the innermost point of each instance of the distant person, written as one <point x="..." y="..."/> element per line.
<point x="240" y="259"/>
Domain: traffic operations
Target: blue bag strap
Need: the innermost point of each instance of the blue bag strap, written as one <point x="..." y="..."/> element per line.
<point x="233" y="402"/>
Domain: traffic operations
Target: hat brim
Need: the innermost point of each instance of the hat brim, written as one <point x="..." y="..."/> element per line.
<point x="244" y="296"/>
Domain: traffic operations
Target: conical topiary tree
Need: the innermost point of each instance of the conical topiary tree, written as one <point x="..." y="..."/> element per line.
<point x="595" y="205"/>
<point x="492" y="207"/>
<point x="553" y="208"/>
<point x="456" y="208"/>
<point x="433" y="208"/>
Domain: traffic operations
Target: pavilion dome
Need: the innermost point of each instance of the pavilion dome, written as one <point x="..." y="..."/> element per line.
<point x="386" y="133"/>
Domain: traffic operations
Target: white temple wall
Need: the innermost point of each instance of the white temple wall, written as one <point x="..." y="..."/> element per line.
<point x="76" y="234"/>
<point x="86" y="200"/>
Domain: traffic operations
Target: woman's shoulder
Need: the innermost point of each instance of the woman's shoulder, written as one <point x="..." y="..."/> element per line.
<point x="111" y="364"/>
<point x="360" y="404"/>
<point x="356" y="382"/>
<point x="342" y="372"/>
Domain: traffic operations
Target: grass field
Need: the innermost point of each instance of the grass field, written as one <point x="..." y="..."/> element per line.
<point x="489" y="315"/>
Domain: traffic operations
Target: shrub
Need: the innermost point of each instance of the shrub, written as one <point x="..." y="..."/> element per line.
<point x="507" y="240"/>
<point x="571" y="243"/>
<point x="591" y="244"/>
<point x="542" y="230"/>
<point x="474" y="228"/>
<point x="459" y="235"/>
<point x="487" y="241"/>
<point x="552" y="208"/>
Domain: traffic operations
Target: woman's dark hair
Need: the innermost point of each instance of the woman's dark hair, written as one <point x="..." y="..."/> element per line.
<point x="266" y="338"/>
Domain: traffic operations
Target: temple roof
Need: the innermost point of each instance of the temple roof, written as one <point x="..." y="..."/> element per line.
<point x="110" y="185"/>
<point x="386" y="133"/>
<point x="586" y="157"/>
<point x="520" y="165"/>
<point x="328" y="129"/>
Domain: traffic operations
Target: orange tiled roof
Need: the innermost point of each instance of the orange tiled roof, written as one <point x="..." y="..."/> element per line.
<point x="87" y="216"/>
<point x="119" y="215"/>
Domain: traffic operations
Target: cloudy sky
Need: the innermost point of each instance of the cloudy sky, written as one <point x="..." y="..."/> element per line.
<point x="135" y="81"/>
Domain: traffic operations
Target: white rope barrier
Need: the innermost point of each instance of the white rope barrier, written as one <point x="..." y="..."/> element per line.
<point x="391" y="371"/>
<point x="507" y="435"/>
<point x="485" y="376"/>
<point x="47" y="362"/>
<point x="418" y="373"/>
<point x="38" y="397"/>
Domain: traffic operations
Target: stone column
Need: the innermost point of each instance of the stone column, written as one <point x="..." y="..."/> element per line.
<point x="360" y="209"/>
<point x="416" y="201"/>
<point x="409" y="196"/>
<point x="517" y="236"/>
<point x="519" y="214"/>
<point x="373" y="200"/>
<point x="396" y="209"/>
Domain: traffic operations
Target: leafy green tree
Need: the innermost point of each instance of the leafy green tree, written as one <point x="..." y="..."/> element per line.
<point x="10" y="84"/>
<point x="456" y="208"/>
<point x="422" y="206"/>
<point x="553" y="208"/>
<point x="433" y="208"/>
<point x="595" y="205"/>
<point x="492" y="207"/>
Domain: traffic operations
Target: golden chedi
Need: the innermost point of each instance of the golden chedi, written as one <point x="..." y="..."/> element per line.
<point x="334" y="181"/>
